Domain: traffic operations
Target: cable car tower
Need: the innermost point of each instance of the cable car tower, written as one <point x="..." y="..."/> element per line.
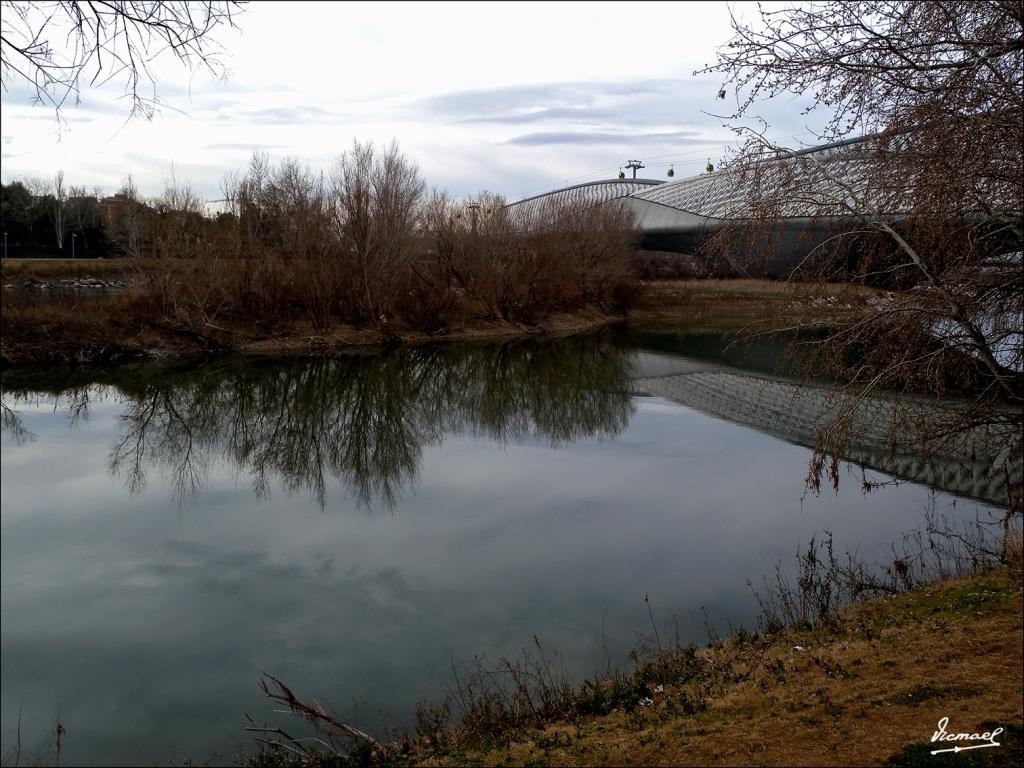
<point x="635" y="165"/>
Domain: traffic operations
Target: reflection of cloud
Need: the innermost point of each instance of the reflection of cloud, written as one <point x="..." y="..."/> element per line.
<point x="595" y="137"/>
<point x="178" y="614"/>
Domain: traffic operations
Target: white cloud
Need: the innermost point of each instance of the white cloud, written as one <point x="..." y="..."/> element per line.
<point x="515" y="98"/>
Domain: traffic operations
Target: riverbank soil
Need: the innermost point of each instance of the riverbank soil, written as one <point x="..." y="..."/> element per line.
<point x="735" y="304"/>
<point x="65" y="311"/>
<point x="28" y="271"/>
<point x="870" y="691"/>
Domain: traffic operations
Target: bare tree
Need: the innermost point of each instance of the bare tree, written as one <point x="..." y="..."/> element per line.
<point x="179" y="218"/>
<point x="59" y="198"/>
<point x="56" y="46"/>
<point x="928" y="202"/>
<point x="81" y="216"/>
<point x="377" y="197"/>
<point x="442" y="219"/>
<point x="48" y="203"/>
<point x="127" y="228"/>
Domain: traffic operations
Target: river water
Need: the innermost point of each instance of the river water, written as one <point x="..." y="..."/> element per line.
<point x="358" y="526"/>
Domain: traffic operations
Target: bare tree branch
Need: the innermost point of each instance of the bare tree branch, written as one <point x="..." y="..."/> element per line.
<point x="56" y="46"/>
<point x="928" y="201"/>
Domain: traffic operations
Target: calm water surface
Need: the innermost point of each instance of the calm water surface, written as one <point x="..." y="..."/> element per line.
<point x="355" y="526"/>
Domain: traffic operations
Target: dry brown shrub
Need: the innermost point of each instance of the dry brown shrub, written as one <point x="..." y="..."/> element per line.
<point x="366" y="247"/>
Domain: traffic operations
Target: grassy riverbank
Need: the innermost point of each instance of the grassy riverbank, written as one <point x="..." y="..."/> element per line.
<point x="43" y="322"/>
<point x="851" y="665"/>
<point x="869" y="690"/>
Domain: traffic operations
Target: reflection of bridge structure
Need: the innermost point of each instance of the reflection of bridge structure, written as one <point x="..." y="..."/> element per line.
<point x="976" y="466"/>
<point x="678" y="215"/>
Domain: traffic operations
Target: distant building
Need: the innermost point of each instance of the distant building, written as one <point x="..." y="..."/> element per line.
<point x="112" y="208"/>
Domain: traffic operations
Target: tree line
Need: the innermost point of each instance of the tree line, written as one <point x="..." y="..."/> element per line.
<point x="41" y="217"/>
<point x="364" y="243"/>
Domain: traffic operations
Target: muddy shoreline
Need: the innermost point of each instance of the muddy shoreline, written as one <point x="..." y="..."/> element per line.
<point x="46" y="321"/>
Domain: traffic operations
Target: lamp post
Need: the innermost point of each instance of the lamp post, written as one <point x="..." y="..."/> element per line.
<point x="5" y="245"/>
<point x="72" y="245"/>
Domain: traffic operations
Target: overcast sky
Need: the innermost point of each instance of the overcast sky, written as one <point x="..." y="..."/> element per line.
<point x="514" y="98"/>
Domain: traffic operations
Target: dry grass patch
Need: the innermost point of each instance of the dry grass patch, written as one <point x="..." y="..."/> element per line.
<point x="738" y="303"/>
<point x="43" y="270"/>
<point x="855" y="695"/>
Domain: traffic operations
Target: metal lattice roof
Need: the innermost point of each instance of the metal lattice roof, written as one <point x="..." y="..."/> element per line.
<point x="819" y="181"/>
<point x="590" y="193"/>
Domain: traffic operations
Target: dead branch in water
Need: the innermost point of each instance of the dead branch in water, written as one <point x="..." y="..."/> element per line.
<point x="314" y="712"/>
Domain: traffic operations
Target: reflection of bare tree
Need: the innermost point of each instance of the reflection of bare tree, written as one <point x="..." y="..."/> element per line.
<point x="11" y="423"/>
<point x="159" y="430"/>
<point x="74" y="399"/>
<point x="364" y="420"/>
